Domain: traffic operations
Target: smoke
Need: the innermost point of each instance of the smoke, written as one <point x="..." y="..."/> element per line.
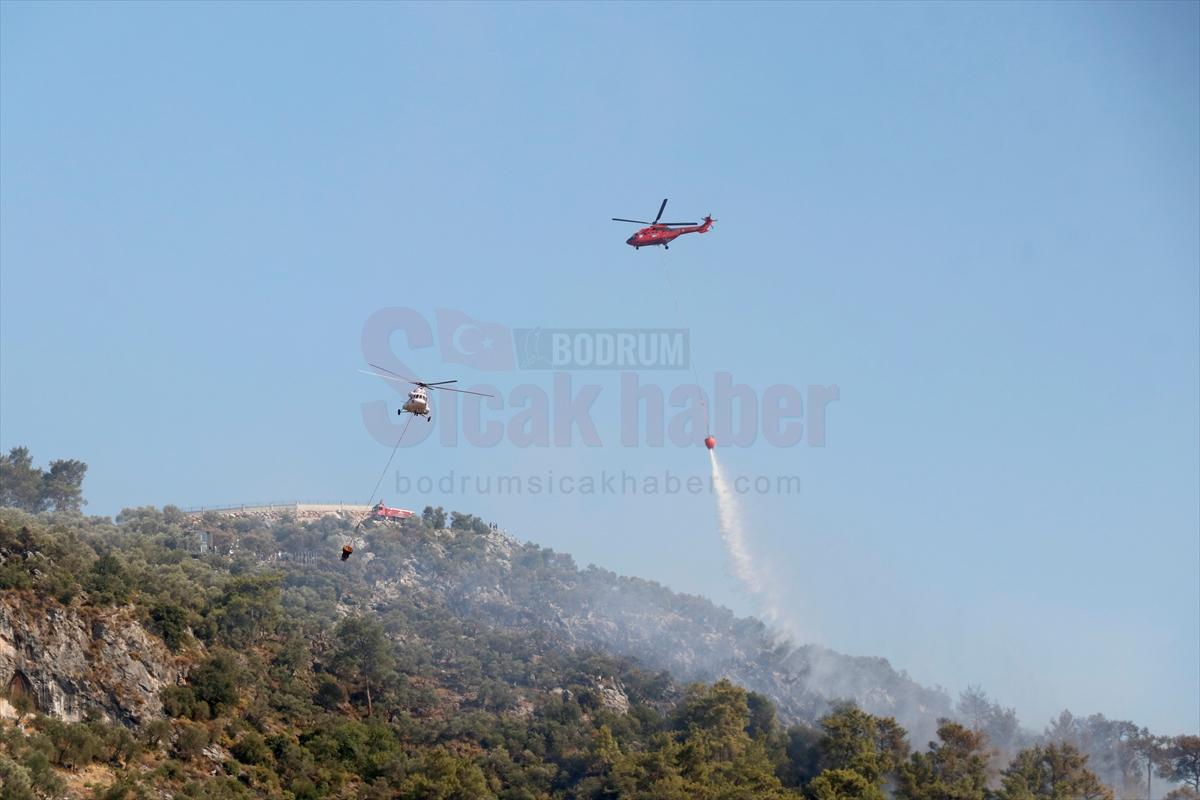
<point x="757" y="581"/>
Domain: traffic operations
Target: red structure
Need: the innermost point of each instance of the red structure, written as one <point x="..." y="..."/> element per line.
<point x="380" y="511"/>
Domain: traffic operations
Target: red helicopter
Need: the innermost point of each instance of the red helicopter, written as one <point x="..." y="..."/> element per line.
<point x="662" y="232"/>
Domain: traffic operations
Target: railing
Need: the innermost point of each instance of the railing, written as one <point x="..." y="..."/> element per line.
<point x="294" y="505"/>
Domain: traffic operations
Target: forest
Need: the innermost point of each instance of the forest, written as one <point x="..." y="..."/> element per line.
<point x="301" y="679"/>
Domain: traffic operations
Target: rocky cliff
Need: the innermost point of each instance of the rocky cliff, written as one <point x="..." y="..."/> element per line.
<point x="72" y="661"/>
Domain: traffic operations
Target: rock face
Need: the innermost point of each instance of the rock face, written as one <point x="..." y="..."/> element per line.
<point x="612" y="695"/>
<point x="67" y="661"/>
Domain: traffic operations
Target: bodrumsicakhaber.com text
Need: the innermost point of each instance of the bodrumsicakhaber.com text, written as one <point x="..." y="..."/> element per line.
<point x="603" y="482"/>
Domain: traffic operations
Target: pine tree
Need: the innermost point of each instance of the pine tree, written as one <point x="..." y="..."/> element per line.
<point x="954" y="768"/>
<point x="1051" y="772"/>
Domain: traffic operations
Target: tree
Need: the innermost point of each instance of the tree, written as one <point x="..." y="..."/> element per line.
<point x="438" y="775"/>
<point x="604" y="757"/>
<point x="249" y="608"/>
<point x="714" y="721"/>
<point x="891" y="742"/>
<point x="953" y="769"/>
<point x="1064" y="728"/>
<point x="1051" y="772"/>
<point x="15" y="781"/>
<point x="157" y="732"/>
<point x="461" y="521"/>
<point x="171" y="621"/>
<point x="1181" y="761"/>
<point x="362" y="654"/>
<point x="1145" y="751"/>
<point x="434" y="518"/>
<point x="32" y="489"/>
<point x="107" y="580"/>
<point x="874" y="747"/>
<point x="193" y="738"/>
<point x="843" y="784"/>
<point x="329" y="694"/>
<point x="62" y="486"/>
<point x="1119" y="752"/>
<point x="180" y="701"/>
<point x="751" y="774"/>
<point x="980" y="714"/>
<point x="762" y="715"/>
<point x="215" y="682"/>
<point x="251" y="749"/>
<point x="20" y="482"/>
<point x="74" y="744"/>
<point x="716" y="751"/>
<point x="803" y="753"/>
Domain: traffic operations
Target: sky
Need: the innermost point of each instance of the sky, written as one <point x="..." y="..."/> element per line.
<point x="979" y="222"/>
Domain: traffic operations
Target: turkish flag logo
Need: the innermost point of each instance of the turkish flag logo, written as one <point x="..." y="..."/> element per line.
<point x="482" y="345"/>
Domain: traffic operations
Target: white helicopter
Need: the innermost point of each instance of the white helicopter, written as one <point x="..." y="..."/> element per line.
<point x="418" y="399"/>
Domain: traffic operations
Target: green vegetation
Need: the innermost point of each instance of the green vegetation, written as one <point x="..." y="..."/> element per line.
<point x="26" y="487"/>
<point x="1051" y="772"/>
<point x="296" y="691"/>
<point x="307" y="678"/>
<point x="954" y="768"/>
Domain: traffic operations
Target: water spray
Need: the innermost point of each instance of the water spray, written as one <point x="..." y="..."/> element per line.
<point x="733" y="534"/>
<point x="732" y="531"/>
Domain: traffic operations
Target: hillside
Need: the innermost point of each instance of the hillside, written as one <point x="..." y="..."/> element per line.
<point x="440" y="661"/>
<point x="485" y="575"/>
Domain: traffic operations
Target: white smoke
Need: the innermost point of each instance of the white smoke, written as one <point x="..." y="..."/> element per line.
<point x="757" y="581"/>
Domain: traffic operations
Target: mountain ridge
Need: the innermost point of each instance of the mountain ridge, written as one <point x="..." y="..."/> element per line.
<point x="474" y="629"/>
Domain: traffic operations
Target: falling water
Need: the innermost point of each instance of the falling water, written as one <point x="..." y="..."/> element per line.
<point x="733" y="533"/>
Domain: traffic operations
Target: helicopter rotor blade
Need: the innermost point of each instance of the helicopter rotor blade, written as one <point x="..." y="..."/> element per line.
<point x="660" y="210"/>
<point x="460" y="391"/>
<point x="389" y="372"/>
<point x="392" y="377"/>
<point x="636" y="221"/>
<point x="678" y="223"/>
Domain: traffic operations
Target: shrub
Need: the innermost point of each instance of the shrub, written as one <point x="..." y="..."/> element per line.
<point x="215" y="682"/>
<point x="193" y="738"/>
<point x="251" y="749"/>
<point x="329" y="694"/>
<point x="171" y="623"/>
<point x="178" y="701"/>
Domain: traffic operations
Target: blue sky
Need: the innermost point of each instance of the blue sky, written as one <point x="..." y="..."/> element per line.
<point x="979" y="221"/>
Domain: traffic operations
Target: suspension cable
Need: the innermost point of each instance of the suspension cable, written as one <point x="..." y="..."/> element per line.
<point x="682" y="321"/>
<point x="383" y="474"/>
